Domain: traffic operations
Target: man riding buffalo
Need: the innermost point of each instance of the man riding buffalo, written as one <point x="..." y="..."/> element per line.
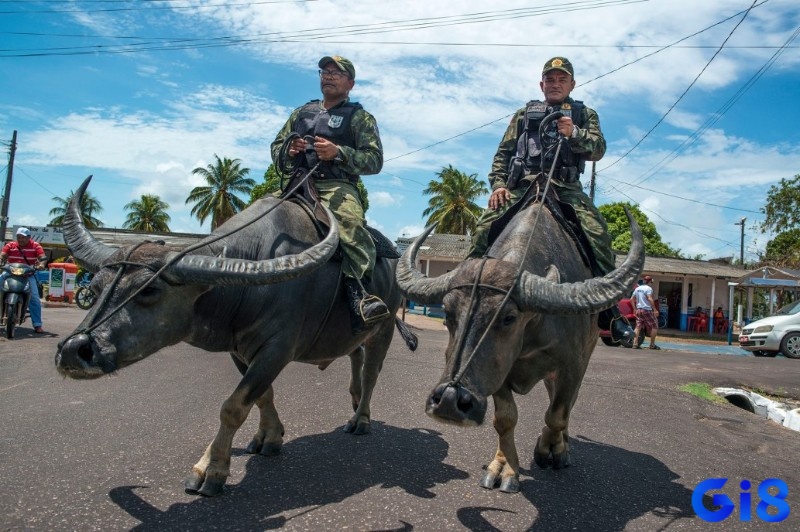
<point x="523" y="156"/>
<point x="338" y="141"/>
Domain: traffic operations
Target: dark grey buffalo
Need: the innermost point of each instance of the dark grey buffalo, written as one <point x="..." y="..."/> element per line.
<point x="266" y="292"/>
<point x="509" y="330"/>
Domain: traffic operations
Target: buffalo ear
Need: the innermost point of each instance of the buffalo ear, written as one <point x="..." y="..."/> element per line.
<point x="553" y="275"/>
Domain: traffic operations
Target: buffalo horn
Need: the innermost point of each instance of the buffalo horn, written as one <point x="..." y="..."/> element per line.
<point x="415" y="285"/>
<point x="587" y="297"/>
<point x="201" y="269"/>
<point x="87" y="250"/>
<point x="204" y="269"/>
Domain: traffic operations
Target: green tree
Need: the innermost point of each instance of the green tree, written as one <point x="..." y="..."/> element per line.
<point x="620" y="231"/>
<point x="784" y="249"/>
<point x="781" y="209"/>
<point x="272" y="184"/>
<point x="452" y="201"/>
<point x="148" y="213"/>
<point x="226" y="178"/>
<point x="89" y="207"/>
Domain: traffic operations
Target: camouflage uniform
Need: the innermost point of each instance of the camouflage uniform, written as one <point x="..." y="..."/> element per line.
<point x="365" y="157"/>
<point x="590" y="144"/>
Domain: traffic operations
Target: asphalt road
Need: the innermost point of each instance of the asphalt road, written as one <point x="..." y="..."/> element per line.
<point x="111" y="454"/>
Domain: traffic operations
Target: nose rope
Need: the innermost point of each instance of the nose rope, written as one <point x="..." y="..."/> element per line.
<point x="121" y="266"/>
<point x="517" y="276"/>
<point x="461" y="340"/>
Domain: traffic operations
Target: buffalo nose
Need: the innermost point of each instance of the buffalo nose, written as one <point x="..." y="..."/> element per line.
<point x="75" y="352"/>
<point x="456" y="404"/>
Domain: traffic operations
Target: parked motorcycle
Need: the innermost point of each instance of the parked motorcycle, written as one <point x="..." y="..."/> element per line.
<point x="628" y="314"/>
<point x="16" y="295"/>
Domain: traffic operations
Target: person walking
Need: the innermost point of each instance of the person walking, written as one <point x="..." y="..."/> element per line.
<point x="646" y="313"/>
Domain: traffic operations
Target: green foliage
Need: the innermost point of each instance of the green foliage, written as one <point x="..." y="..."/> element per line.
<point x="781" y="209"/>
<point x="89" y="207"/>
<point x="702" y="390"/>
<point x="226" y="178"/>
<point x="148" y="213"/>
<point x="453" y="201"/>
<point x="620" y="231"/>
<point x="272" y="185"/>
<point x="784" y="249"/>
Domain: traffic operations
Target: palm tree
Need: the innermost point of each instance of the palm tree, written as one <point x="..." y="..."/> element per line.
<point x="225" y="179"/>
<point x="148" y="214"/>
<point x="89" y="207"/>
<point x="453" y="201"/>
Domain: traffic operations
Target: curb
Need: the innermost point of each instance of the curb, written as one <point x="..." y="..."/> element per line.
<point x="780" y="413"/>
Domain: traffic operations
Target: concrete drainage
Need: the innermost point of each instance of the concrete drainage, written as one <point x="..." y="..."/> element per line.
<point x="780" y="413"/>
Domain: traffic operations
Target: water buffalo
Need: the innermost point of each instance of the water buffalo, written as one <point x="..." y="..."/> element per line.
<point x="526" y="314"/>
<point x="260" y="286"/>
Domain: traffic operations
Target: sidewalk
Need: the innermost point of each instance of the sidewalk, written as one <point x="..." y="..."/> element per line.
<point x="670" y="341"/>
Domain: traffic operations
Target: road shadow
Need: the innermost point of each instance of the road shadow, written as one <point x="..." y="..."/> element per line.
<point x="604" y="489"/>
<point x="312" y="471"/>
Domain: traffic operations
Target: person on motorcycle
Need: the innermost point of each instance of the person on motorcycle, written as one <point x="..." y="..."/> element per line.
<point x="27" y="251"/>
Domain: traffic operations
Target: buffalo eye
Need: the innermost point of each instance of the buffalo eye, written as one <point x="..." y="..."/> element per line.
<point x="148" y="295"/>
<point x="509" y="319"/>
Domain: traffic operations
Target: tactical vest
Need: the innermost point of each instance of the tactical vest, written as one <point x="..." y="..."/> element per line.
<point x="334" y="125"/>
<point x="535" y="154"/>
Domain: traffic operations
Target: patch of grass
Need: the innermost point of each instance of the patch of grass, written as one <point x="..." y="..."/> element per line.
<point x="701" y="390"/>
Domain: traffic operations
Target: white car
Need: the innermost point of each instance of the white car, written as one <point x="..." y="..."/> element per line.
<point x="777" y="334"/>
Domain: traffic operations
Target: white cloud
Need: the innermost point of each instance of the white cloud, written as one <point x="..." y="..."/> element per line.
<point x="384" y="199"/>
<point x="149" y="136"/>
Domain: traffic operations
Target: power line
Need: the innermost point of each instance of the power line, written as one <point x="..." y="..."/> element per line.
<point x="328" y="31"/>
<point x="664" y="116"/>
<point x="717" y="116"/>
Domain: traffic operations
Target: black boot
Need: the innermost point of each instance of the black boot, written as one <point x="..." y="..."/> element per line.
<point x="621" y="330"/>
<point x="365" y="310"/>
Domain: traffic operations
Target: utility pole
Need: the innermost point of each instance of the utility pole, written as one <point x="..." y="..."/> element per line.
<point x="741" y="246"/>
<point x="591" y="183"/>
<point x="7" y="193"/>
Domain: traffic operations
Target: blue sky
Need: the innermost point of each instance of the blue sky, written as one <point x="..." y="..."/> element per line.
<point x="697" y="101"/>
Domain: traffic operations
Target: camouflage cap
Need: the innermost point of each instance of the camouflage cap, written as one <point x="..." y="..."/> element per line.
<point x="558" y="63"/>
<point x="344" y="64"/>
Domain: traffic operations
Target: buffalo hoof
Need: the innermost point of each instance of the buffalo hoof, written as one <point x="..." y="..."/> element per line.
<point x="490" y="480"/>
<point x="548" y="459"/>
<point x="192" y="483"/>
<point x="212" y="487"/>
<point x="271" y="449"/>
<point x="358" y="429"/>
<point x="560" y="461"/>
<point x="254" y="447"/>
<point x="510" y="485"/>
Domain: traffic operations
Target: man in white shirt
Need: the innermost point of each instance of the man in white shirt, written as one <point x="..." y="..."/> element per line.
<point x="646" y="313"/>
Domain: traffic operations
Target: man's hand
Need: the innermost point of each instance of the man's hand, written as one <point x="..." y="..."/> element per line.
<point x="499" y="197"/>
<point x="297" y="146"/>
<point x="565" y="126"/>
<point x="326" y="150"/>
